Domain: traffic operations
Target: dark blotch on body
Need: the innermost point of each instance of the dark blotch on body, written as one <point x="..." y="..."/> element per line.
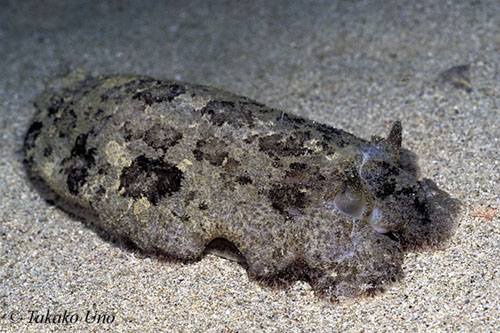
<point x="384" y="180"/>
<point x="47" y="151"/>
<point x="275" y="145"/>
<point x="33" y="133"/>
<point x="150" y="178"/>
<point x="287" y="198"/>
<point x="161" y="93"/>
<point x="211" y="151"/>
<point x="119" y="92"/>
<point x="289" y="194"/>
<point x="230" y="112"/>
<point x="244" y="180"/>
<point x="160" y="136"/>
<point x="76" y="166"/>
<point x="54" y="105"/>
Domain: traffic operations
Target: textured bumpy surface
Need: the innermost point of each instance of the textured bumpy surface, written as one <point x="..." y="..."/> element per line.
<point x="171" y="166"/>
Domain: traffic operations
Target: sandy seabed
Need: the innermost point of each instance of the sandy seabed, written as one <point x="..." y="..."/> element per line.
<point x="354" y="65"/>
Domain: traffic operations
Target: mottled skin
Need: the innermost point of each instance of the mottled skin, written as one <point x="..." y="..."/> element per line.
<point x="172" y="166"/>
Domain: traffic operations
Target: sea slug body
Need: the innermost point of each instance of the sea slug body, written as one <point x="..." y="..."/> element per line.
<point x="172" y="166"/>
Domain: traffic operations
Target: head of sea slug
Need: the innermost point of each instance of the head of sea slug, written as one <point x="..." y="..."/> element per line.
<point x="414" y="212"/>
